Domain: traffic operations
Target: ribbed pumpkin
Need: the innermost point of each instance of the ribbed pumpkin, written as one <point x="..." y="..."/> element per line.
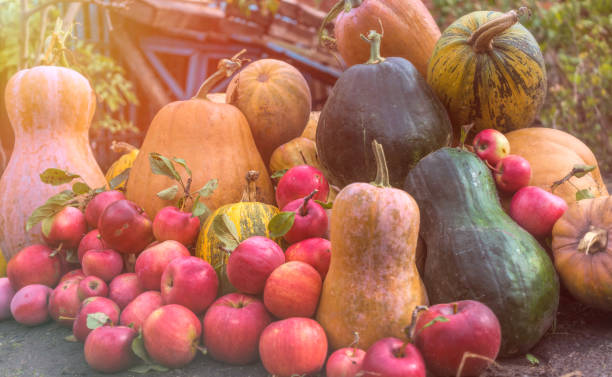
<point x="310" y="131"/>
<point x="250" y="217"/>
<point x="582" y="250"/>
<point x="215" y="141"/>
<point x="50" y="109"/>
<point x="410" y="30"/>
<point x="299" y="151"/>
<point x="125" y="161"/>
<point x="276" y="100"/>
<point x="487" y="69"/>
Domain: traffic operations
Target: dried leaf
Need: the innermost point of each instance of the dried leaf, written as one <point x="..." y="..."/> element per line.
<point x="208" y="188"/>
<point x="56" y="177"/>
<point x="119" y="179"/>
<point x="71" y="338"/>
<point x="584" y="194"/>
<point x="280" y="224"/>
<point x="163" y="166"/>
<point x="80" y="188"/>
<point x="169" y="193"/>
<point x="95" y="320"/>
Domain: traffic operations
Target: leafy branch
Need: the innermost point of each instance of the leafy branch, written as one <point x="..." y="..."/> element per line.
<point x="577" y="171"/>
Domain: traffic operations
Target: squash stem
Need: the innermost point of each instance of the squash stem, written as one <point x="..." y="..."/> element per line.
<point x="595" y="240"/>
<point x="482" y="39"/>
<point x="341" y="5"/>
<point x="374" y="39"/>
<point x="250" y="192"/>
<point x="225" y="68"/>
<point x="382" y="172"/>
<point x="302" y="208"/>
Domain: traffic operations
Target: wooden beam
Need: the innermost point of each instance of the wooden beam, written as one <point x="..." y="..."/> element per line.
<point x="302" y="14"/>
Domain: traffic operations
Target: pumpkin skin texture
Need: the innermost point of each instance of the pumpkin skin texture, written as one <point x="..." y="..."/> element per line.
<point x="475" y="251"/>
<point x="410" y="30"/>
<point x="582" y="250"/>
<point x="125" y="161"/>
<point x="276" y="100"/>
<point x="50" y="109"/>
<point x="299" y="151"/>
<point x="310" y="131"/>
<point x="503" y="87"/>
<point x="374" y="231"/>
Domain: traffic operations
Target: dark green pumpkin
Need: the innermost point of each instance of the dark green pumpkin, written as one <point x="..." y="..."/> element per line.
<point x="476" y="251"/>
<point x="386" y="100"/>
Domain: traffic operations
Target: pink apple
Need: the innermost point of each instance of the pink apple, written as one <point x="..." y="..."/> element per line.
<point x="344" y="362"/>
<point x="124" y="288"/>
<point x="469" y="327"/>
<point x="314" y="251"/>
<point x="71" y="275"/>
<point x="66" y="227"/>
<point x="298" y="182"/>
<point x="137" y="311"/>
<point x="172" y="335"/>
<point x="191" y="282"/>
<point x="92" y="286"/>
<point x="152" y="262"/>
<point x="310" y="220"/>
<point x="125" y="227"/>
<point x="491" y="146"/>
<point x="91" y="241"/>
<point x="392" y="357"/>
<point x="108" y="349"/>
<point x="93" y="305"/>
<point x="536" y="210"/>
<point x="6" y="295"/>
<point x="105" y="264"/>
<point x="512" y="173"/>
<point x="293" y="290"/>
<point x="64" y="302"/>
<point x="232" y="327"/>
<point x="36" y="264"/>
<point x="98" y="204"/>
<point x="29" y="305"/>
<point x="170" y="223"/>
<point x="252" y="262"/>
<point x="293" y="346"/>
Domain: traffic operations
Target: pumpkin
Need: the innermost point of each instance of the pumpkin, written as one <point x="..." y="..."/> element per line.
<point x="372" y="285"/>
<point x="217" y="97"/>
<point x="50" y="110"/>
<point x="215" y="141"/>
<point x="386" y="100"/>
<point x="125" y="161"/>
<point x="475" y="251"/>
<point x="310" y="131"/>
<point x="582" y="251"/>
<point x="552" y="154"/>
<point x="488" y="70"/>
<point x="250" y="218"/>
<point x="2" y="265"/>
<point x="276" y="100"/>
<point x="410" y="30"/>
<point x="299" y="151"/>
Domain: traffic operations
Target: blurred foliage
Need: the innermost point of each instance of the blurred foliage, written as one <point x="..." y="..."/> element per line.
<point x="576" y="39"/>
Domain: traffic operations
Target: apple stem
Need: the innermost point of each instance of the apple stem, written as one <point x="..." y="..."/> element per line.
<point x="354" y="342"/>
<point x="493" y="168"/>
<point x="455" y="307"/>
<point x="56" y="251"/>
<point x="61" y="317"/>
<point x="302" y="209"/>
<point x="409" y="330"/>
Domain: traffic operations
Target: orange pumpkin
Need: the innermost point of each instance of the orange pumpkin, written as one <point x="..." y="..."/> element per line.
<point x="299" y="151"/>
<point x="276" y="100"/>
<point x="310" y="131"/>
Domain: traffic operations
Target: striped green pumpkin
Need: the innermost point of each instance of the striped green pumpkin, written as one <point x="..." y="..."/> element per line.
<point x="488" y="69"/>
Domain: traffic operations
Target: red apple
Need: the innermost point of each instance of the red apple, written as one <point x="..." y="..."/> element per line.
<point x="293" y="290"/>
<point x="92" y="286"/>
<point x="125" y="227"/>
<point x="172" y="335"/>
<point x="232" y="327"/>
<point x="93" y="305"/>
<point x="298" y="182"/>
<point x="105" y="264"/>
<point x="392" y="357"/>
<point x="124" y="288"/>
<point x="468" y="326"/>
<point x="64" y="302"/>
<point x="29" y="305"/>
<point x="191" y="282"/>
<point x="293" y="346"/>
<point x="511" y="173"/>
<point x="6" y="295"/>
<point x="137" y="311"/>
<point x="108" y="349"/>
<point x="98" y="204"/>
<point x="91" y="241"/>
<point x="314" y="251"/>
<point x="170" y="223"/>
<point x="252" y="262"/>
<point x="536" y="210"/>
<point x="36" y="264"/>
<point x="72" y="275"/>
<point x="344" y="362"/>
<point x="491" y="146"/>
<point x="67" y="227"/>
<point x="310" y="220"/>
<point x="152" y="262"/>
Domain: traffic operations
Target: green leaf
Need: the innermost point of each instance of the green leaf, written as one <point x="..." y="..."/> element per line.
<point x="278" y="173"/>
<point x="119" y="179"/>
<point x="465" y="131"/>
<point x="56" y="177"/>
<point x="52" y="206"/>
<point x="208" y="188"/>
<point x="582" y="170"/>
<point x="139" y="349"/>
<point x="183" y="163"/>
<point x="327" y="205"/>
<point x="225" y="230"/>
<point x="71" y="338"/>
<point x="80" y="188"/>
<point x="169" y="193"/>
<point x="163" y="166"/>
<point x="280" y="224"/>
<point x="532" y="359"/>
<point x="199" y="209"/>
<point x="145" y="368"/>
<point x="439" y="318"/>
<point x="95" y="320"/>
<point x="203" y="350"/>
<point x="46" y="224"/>
<point x="584" y="194"/>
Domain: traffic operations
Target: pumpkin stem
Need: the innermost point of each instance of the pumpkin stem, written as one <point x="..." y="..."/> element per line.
<point x="374" y="39"/>
<point x="250" y="192"/>
<point x="382" y="172"/>
<point x="595" y="240"/>
<point x="341" y="5"/>
<point x="225" y="68"/>
<point x="482" y="39"/>
<point x="302" y="208"/>
<point x="121" y="147"/>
